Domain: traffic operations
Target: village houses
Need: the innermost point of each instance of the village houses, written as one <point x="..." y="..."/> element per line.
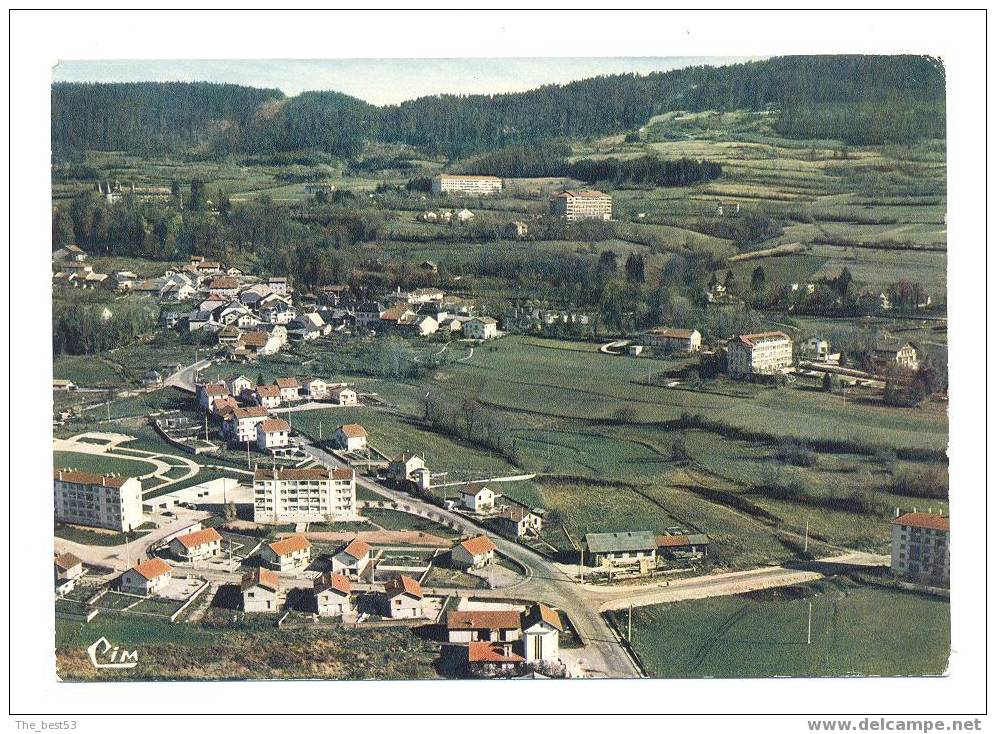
<point x="667" y="340"/>
<point x="287" y="554"/>
<point x="477" y="498"/>
<point x="474" y="553"/>
<point x="766" y="353"/>
<point x="260" y="591"/>
<point x="147" y="577"/>
<point x="352" y="559"/>
<point x="196" y="546"/>
<point x="332" y="591"/>
<point x="351" y="437"/>
<point x="403" y="598"/>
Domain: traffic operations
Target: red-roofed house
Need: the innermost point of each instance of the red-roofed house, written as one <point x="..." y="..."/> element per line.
<point x="352" y="560"/>
<point x="290" y="388"/>
<point x="502" y="625"/>
<point x="196" y="546"/>
<point x="758" y="354"/>
<point x="665" y="339"/>
<point x="474" y="553"/>
<point x="260" y="590"/>
<point x="273" y="435"/>
<point x="351" y="437"/>
<point x="147" y="577"/>
<point x="541" y="628"/>
<point x="404" y="598"/>
<point x="332" y="592"/>
<point x="287" y="554"/>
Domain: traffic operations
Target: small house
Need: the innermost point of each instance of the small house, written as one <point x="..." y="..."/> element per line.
<point x="477" y="498"/>
<point x="146" y="578"/>
<point x="343" y="395"/>
<point x="694" y="545"/>
<point x="273" y="435"/>
<point x="475" y="552"/>
<point x="351" y="437"/>
<point x="196" y="546"/>
<point x="290" y="388"/>
<point x="541" y="628"/>
<point x="260" y="591"/>
<point x="332" y="591"/>
<point x="502" y="625"/>
<point x="287" y="554"/>
<point x="404" y="598"/>
<point x="352" y="559"/>
<point x="482" y="327"/>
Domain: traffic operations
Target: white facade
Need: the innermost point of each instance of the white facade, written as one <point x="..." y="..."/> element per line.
<point x="575" y="206"/>
<point x="304" y="495"/>
<point x="758" y="354"/>
<point x="470" y="185"/>
<point x="104" y="501"/>
<point x="480" y="328"/>
<point x="673" y="340"/>
<point x="921" y="546"/>
<point x="272" y="434"/>
<point x="148" y="577"/>
<point x="477" y="499"/>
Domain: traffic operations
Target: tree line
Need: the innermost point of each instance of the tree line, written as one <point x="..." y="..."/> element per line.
<point x="155" y="117"/>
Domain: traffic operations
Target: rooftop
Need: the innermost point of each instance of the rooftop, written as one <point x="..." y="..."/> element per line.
<point x="615" y="542"/>
<point x="201" y="537"/>
<point x="925" y="520"/>
<point x="291" y="544"/>
<point x="260" y="577"/>
<point x="152" y="568"/>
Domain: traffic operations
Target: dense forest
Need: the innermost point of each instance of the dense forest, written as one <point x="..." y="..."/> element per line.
<point x="151" y="117"/>
<point x="551" y="159"/>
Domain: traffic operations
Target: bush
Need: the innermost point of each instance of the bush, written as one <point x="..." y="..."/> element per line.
<point x="796" y="453"/>
<point x="930" y="482"/>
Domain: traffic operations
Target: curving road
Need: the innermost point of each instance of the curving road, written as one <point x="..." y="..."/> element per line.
<point x="544" y="581"/>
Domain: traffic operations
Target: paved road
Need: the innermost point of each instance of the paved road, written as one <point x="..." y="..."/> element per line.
<point x="184" y="377"/>
<point x="604" y="656"/>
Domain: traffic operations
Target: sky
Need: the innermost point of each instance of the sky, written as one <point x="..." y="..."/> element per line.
<point x="378" y="81"/>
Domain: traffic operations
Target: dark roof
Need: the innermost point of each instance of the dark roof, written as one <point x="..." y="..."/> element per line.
<point x="616" y="542"/>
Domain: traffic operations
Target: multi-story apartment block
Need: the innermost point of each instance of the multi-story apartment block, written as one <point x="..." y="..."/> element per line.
<point x="472" y="185"/>
<point x="240" y="424"/>
<point x="665" y="339"/>
<point x="304" y="495"/>
<point x="99" y="500"/>
<point x="758" y="354"/>
<point x="921" y="546"/>
<point x="577" y="205"/>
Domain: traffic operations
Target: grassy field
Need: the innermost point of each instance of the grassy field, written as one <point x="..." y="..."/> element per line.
<point x="764" y="635"/>
<point x="100" y="464"/>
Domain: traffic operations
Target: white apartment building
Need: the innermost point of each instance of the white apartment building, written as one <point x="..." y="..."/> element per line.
<point x="304" y="495"/>
<point x="665" y="339"/>
<point x="471" y="185"/>
<point x="273" y="435"/>
<point x="921" y="546"/>
<point x="758" y="354"/>
<point x="98" y="500"/>
<point x="575" y="206"/>
<point x="482" y="327"/>
<point x="240" y="425"/>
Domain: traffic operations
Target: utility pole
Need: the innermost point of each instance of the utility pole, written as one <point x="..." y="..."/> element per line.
<point x="248" y="458"/>
<point x="319" y="430"/>
<point x="809" y="625"/>
<point x="205" y="427"/>
<point x="629" y="630"/>
<point x="805" y="545"/>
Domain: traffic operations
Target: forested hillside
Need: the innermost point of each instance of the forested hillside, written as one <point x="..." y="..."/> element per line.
<point x="149" y="117"/>
<point x="817" y="96"/>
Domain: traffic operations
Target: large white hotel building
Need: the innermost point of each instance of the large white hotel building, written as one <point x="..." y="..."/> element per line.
<point x="99" y="500"/>
<point x="758" y="354"/>
<point x="577" y="205"/>
<point x="472" y="185"/>
<point x="314" y="494"/>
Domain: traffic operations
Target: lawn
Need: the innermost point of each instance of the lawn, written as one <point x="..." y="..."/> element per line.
<point x="102" y="464"/>
<point x="764" y="635"/>
<point x="396" y="520"/>
<point x="94" y="537"/>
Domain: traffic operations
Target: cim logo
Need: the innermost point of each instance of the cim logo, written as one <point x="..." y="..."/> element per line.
<point x="105" y="655"/>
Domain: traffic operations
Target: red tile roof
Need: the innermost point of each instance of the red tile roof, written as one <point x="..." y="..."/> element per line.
<point x="925" y="520"/>
<point x="273" y="425"/>
<point x="335" y="581"/>
<point x="201" y="537"/>
<point x="673" y="333"/>
<point x="542" y="612"/>
<point x="404" y="585"/>
<point x="479" y="546"/>
<point x="255" y="339"/>
<point x="482" y="620"/>
<point x="489" y="652"/>
<point x="357" y="548"/>
<point x="287" y="382"/>
<point x="761" y="336"/>
<point x="291" y="544"/>
<point x="268" y="391"/>
<point x="67" y="561"/>
<point x="353" y="430"/>
<point x="152" y="568"/>
<point x="261" y="577"/>
<point x="253" y="411"/>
